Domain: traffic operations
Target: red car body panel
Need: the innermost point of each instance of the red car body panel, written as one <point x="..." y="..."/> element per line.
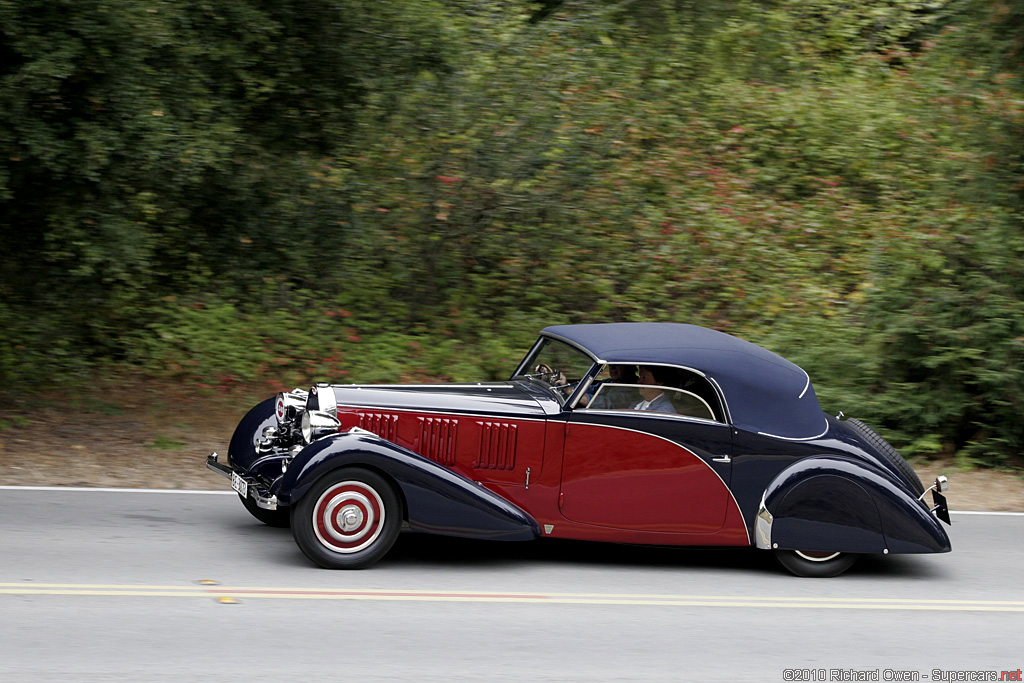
<point x="581" y="481"/>
<point x="623" y="479"/>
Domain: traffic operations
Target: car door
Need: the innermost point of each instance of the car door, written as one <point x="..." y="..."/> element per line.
<point x="645" y="471"/>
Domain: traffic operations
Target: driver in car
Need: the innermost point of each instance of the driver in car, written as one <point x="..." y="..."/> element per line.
<point x="613" y="397"/>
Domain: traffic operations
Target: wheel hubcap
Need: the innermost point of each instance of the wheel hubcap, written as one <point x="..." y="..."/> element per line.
<point x="348" y="517"/>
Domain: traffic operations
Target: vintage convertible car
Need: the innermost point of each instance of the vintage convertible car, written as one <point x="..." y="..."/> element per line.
<point x="648" y="433"/>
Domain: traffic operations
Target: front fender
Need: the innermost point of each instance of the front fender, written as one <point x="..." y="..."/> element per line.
<point x="436" y="499"/>
<point x="832" y="503"/>
<point x="243" y="454"/>
<point x="242" y="449"/>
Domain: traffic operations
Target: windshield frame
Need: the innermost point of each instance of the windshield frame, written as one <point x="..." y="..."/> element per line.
<point x="523" y="371"/>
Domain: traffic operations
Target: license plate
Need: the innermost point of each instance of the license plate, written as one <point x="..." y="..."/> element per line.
<point x="941" y="507"/>
<point x="239" y="484"/>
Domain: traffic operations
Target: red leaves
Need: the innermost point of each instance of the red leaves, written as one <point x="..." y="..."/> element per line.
<point x="340" y="313"/>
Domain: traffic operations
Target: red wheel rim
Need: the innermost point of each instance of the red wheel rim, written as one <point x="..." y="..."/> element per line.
<point x="348" y="517"/>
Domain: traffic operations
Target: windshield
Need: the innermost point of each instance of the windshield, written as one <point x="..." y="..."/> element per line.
<point x="557" y="365"/>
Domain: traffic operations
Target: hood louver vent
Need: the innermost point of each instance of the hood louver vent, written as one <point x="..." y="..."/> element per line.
<point x="382" y="424"/>
<point x="497" y="446"/>
<point x="437" y="439"/>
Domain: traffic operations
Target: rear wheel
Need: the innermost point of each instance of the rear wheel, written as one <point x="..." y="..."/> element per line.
<point x="814" y="563"/>
<point x="348" y="520"/>
<point x="888" y="452"/>
<point x="278" y="517"/>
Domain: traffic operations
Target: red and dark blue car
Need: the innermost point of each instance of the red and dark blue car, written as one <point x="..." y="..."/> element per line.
<point x="646" y="433"/>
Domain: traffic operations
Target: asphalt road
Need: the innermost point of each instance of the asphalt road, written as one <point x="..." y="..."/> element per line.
<point x="110" y="586"/>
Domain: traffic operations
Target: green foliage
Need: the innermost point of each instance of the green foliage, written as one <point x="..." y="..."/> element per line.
<point x="148" y="147"/>
<point x="405" y="191"/>
<point x="952" y="325"/>
<point x="14" y="422"/>
<point x="165" y="443"/>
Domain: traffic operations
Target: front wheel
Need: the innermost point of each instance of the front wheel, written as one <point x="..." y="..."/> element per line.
<point x="348" y="520"/>
<point x="814" y="563"/>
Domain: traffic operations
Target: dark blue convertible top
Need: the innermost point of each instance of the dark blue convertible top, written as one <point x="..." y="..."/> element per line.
<point x="765" y="392"/>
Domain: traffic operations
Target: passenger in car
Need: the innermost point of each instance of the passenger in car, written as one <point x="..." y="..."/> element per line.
<point x="653" y="377"/>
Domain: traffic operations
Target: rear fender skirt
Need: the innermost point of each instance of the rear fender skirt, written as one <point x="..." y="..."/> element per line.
<point x="436" y="499"/>
<point x="832" y="503"/>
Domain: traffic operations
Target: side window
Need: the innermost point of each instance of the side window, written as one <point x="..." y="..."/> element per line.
<point x="697" y="397"/>
<point x="690" y="404"/>
<point x="614" y="396"/>
<point x="657" y="389"/>
<point x="613" y="389"/>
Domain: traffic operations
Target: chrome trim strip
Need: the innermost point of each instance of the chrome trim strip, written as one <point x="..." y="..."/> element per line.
<point x="650" y="415"/>
<point x="523" y="367"/>
<point x="268" y="503"/>
<point x="797" y="438"/>
<point x="548" y="335"/>
<point x="763" y="525"/>
<point x="667" y="389"/>
<point x="213" y="464"/>
<point x="435" y="411"/>
<point x="700" y="373"/>
<point x="941" y="485"/>
<point x="807" y="385"/>
<point x="581" y="389"/>
<point x="721" y="397"/>
<point x="439" y="385"/>
<point x="811" y="558"/>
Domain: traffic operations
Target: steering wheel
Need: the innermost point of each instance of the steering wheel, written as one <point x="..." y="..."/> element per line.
<point x="548" y="374"/>
<point x="555" y="378"/>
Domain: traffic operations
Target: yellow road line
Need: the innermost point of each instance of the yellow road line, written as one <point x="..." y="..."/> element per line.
<point x="421" y="595"/>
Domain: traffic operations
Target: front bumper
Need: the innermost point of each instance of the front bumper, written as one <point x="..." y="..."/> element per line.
<point x="253" y="489"/>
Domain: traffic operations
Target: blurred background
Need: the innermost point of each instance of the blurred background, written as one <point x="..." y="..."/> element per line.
<point x="240" y="196"/>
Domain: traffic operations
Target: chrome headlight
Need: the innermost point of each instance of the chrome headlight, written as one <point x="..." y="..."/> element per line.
<point x="321" y="397"/>
<point x="287" y="404"/>
<point x="317" y="424"/>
